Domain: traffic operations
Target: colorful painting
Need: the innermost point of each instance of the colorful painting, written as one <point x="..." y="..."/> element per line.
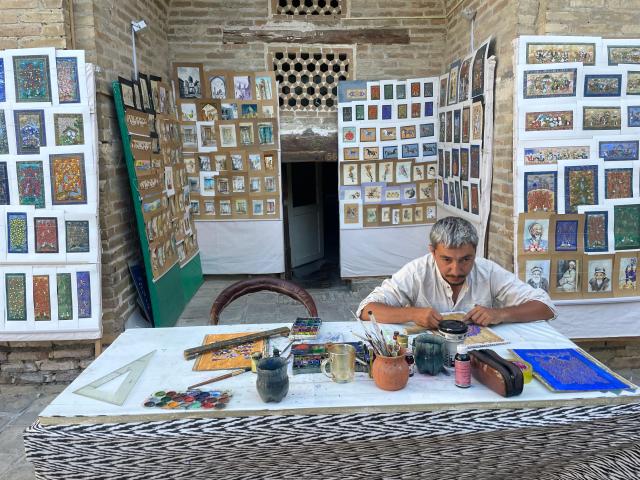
<point x="601" y="118"/>
<point x="623" y="54"/>
<point x="626" y="226"/>
<point x="68" y="182"/>
<point x="535" y="235"/>
<point x="581" y="187"/>
<point x="477" y="120"/>
<point x="3" y="92"/>
<point x="550" y="83"/>
<point x="30" y="183"/>
<point x="477" y="72"/>
<point x="474" y="164"/>
<point x="627" y="273"/>
<point x="30" y="131"/>
<point x="455" y="162"/>
<point x="561" y="53"/>
<point x="453" y="83"/>
<point x="549" y="121"/>
<point x="602" y="85"/>
<point x="618" y="183"/>
<point x="596" y="228"/>
<point x="83" y="280"/>
<point x="64" y="294"/>
<point x="456" y="126"/>
<point x="68" y="82"/>
<point x="69" y="129"/>
<point x="464" y="164"/>
<point x="464" y="82"/>
<point x="614" y="151"/>
<point x="466" y="124"/>
<point x="16" y="291"/>
<point x="552" y="155"/>
<point x="568" y="275"/>
<point x="5" y="198"/>
<point x="540" y="191"/>
<point x="46" y="234"/>
<point x="566" y="235"/>
<point x="633" y="116"/>
<point x="475" y="209"/>
<point x="449" y="126"/>
<point x="17" y="240"/>
<point x="4" y="139"/>
<point x="31" y="76"/>
<point x="264" y="88"/>
<point x="41" y="298"/>
<point x="633" y="83"/>
<point x="442" y="101"/>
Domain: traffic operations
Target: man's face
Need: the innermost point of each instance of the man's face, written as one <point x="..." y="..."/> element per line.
<point x="454" y="263"/>
<point x="599" y="276"/>
<point x="536" y="276"/>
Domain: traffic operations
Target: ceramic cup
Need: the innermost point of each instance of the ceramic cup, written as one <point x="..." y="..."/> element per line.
<point x="273" y="379"/>
<point x="429" y="352"/>
<point x="342" y="361"/>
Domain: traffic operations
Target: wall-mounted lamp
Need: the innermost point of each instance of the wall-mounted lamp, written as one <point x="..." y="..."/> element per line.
<point x="135" y="28"/>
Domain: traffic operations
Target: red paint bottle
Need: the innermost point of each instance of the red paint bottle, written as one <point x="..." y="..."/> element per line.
<point x="462" y="363"/>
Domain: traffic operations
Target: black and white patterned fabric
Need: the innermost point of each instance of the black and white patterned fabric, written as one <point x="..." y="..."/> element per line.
<point x="588" y="442"/>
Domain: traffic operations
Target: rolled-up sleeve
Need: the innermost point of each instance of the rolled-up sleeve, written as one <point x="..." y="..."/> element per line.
<point x="509" y="291"/>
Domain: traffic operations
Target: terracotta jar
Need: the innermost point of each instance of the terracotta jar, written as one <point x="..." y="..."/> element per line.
<point x="390" y="373"/>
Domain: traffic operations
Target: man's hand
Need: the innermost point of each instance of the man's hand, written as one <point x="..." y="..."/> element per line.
<point x="426" y="317"/>
<point x="485" y="316"/>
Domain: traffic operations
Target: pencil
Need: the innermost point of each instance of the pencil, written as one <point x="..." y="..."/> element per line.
<point x="221" y="377"/>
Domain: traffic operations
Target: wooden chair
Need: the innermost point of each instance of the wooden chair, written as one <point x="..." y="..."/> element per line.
<point x="251" y="285"/>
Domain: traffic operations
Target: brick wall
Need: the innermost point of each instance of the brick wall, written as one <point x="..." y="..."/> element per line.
<point x="36" y="23"/>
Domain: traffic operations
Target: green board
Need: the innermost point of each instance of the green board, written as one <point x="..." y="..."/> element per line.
<point x="171" y="292"/>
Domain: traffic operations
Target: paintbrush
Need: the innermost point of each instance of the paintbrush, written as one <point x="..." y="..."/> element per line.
<point x="221" y="377"/>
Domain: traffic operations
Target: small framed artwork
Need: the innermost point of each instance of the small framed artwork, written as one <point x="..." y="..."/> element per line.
<point x="534" y="229"/>
<point x="68" y="78"/>
<point x="30" y="131"/>
<point x="370" y="153"/>
<point x="477" y="71"/>
<point x="418" y="214"/>
<point x="456" y="126"/>
<point x="449" y="126"/>
<point x="428" y="109"/>
<point x="466" y="125"/>
<point x="372" y="112"/>
<point x="351" y="212"/>
<point x="190" y="137"/>
<point x="350" y="174"/>
<point x="407" y="132"/>
<point x="359" y="112"/>
<point x="477" y="120"/>
<point x="548" y="121"/>
<point x="347" y="114"/>
<point x="207" y="136"/>
<point x="566" y="276"/>
<point x="415" y="110"/>
<point x="387" y="133"/>
<point x="238" y="183"/>
<point x="418" y="173"/>
<point x="566" y="233"/>
<point x="464" y="80"/>
<point x="454" y="70"/>
<point x="349" y="135"/>
<point x="204" y="161"/>
<point x="374" y="91"/>
<point x="229" y="111"/>
<point x="429" y="149"/>
<point x="580" y="187"/>
<point x="188" y="78"/>
<point x="442" y="127"/>
<point x="597" y="281"/>
<point x="270" y="162"/>
<point x="237" y="162"/>
<point x="46" y="234"/>
<point x="217" y="85"/>
<point x="387" y="112"/>
<point x="385" y="172"/>
<point x="385" y="215"/>
<point x="372" y="193"/>
<point x="426" y="191"/>
<point x="224" y="207"/>
<point x="601" y="118"/>
<point x="255" y="162"/>
<point x="207" y="184"/>
<point x="257" y="207"/>
<point x="351" y="153"/>
<point x="77" y="236"/>
<point x="415" y="89"/>
<point x="549" y="83"/>
<point x="255" y="184"/>
<point x="464" y="164"/>
<point x="618" y="183"/>
<point x="265" y="133"/>
<point x="401" y="91"/>
<point x="264" y="87"/>
<point x="390" y="151"/>
<point x="410" y="150"/>
<point x="395" y="216"/>
<point x="247" y="137"/>
<point x="402" y="111"/>
<point x="31" y="186"/>
<point x="618" y="150"/>
<point x="32" y="78"/>
<point x="368" y="173"/>
<point x="228" y="137"/>
<point x="242" y="87"/>
<point x="223" y="185"/>
<point x="596" y="231"/>
<point x="209" y="110"/>
<point x="427" y="89"/>
<point x="536" y="272"/>
<point x="17" y="233"/>
<point x="442" y="101"/>
<point x="403" y="172"/>
<point x="475" y="199"/>
<point x="407" y="214"/>
<point x="626" y="226"/>
<point x="368" y="134"/>
<point x="540" y="191"/>
<point x="240" y="207"/>
<point x="602" y="85"/>
<point x="625" y="274"/>
<point x="455" y="162"/>
<point x="633" y="116"/>
<point x="427" y="130"/>
<point x="409" y="194"/>
<point x="68" y="129"/>
<point x="5" y="197"/>
<point x="221" y="163"/>
<point x="633" y="82"/>
<point x="392" y="194"/>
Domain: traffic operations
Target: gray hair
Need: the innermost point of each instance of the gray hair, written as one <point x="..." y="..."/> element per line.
<point x="453" y="232"/>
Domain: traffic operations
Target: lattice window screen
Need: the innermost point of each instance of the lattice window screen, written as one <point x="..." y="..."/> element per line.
<point x="307" y="7"/>
<point x="309" y="79"/>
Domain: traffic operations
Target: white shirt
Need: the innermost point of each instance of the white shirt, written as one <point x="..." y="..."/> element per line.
<point x="420" y="284"/>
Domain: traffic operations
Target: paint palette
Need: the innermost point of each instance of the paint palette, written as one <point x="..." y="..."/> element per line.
<point x="305" y="328"/>
<point x="189" y="400"/>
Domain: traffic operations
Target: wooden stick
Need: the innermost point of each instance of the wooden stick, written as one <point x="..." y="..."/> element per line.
<point x="221" y="377"/>
<point x="191" y="353"/>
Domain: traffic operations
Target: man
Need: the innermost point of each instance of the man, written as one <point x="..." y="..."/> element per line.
<point x="452" y="278"/>
<point x="536" y="280"/>
<point x="536" y="242"/>
<point x="599" y="282"/>
<point x="567" y="282"/>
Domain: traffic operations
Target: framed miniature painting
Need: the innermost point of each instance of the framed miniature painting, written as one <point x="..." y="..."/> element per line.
<point x="387" y="134"/>
<point x="5" y="197"/>
<point x="68" y="180"/>
<point x="351" y="153"/>
<point x="596" y="231"/>
<point x="580" y="187"/>
<point x="17" y="233"/>
<point x="217" y="85"/>
<point x="464" y="81"/>
<point x="550" y="121"/>
<point x="83" y="294"/>
<point x="477" y="71"/>
<point x="449" y="126"/>
<point x="534" y="232"/>
<point x="475" y="199"/>
<point x="3" y="89"/>
<point x="477" y="120"/>
<point x="601" y="118"/>
<point x="618" y="183"/>
<point x="602" y="85"/>
<point x="385" y="172"/>
<point x="370" y="153"/>
<point x="351" y="213"/>
<point x="442" y="102"/>
<point x="68" y="128"/>
<point x="264" y="87"/>
<point x="41" y="298"/>
<point x="188" y="78"/>
<point x="64" y="296"/>
<point x="598" y="274"/>
<point x="77" y="236"/>
<point x="553" y="83"/>
<point x="618" y="150"/>
<point x="627" y="54"/>
<point x="390" y="151"/>
<point x="566" y="233"/>
<point x="625" y="274"/>
<point x="551" y="155"/>
<point x="30" y="131"/>
<point x="4" y="138"/>
<point x="32" y="78"/>
<point x="359" y="112"/>
<point x="68" y="80"/>
<point x="31" y="186"/>
<point x="16" y="295"/>
<point x="633" y="82"/>
<point x="368" y="173"/>
<point x="350" y="174"/>
<point x="456" y="125"/>
<point x="633" y="116"/>
<point x="452" y="96"/>
<point x="46" y="234"/>
<point x="401" y="91"/>
<point x="537" y="53"/>
<point x="466" y="124"/>
<point x="410" y="150"/>
<point x="540" y="191"/>
<point x="626" y="226"/>
<point x="474" y="162"/>
<point x="387" y="112"/>
<point x="242" y="88"/>
<point x="535" y="272"/>
<point x="566" y="276"/>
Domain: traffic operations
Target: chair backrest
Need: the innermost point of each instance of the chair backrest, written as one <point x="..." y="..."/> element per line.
<point x="257" y="284"/>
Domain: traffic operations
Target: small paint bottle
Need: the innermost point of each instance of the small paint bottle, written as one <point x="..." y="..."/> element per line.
<point x="412" y="363"/>
<point x="462" y="363"/>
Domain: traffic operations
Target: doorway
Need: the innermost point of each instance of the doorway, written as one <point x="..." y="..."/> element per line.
<point x="312" y="224"/>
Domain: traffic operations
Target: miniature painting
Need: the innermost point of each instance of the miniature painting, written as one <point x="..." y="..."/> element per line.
<point x="372" y="112"/>
<point x="385" y="214"/>
<point x="407" y="214"/>
<point x="402" y="111"/>
<point x="415" y="89"/>
<point x="30" y="131"/>
<point x="455" y="162"/>
<point x="442" y="102"/>
<point x="407" y="132"/>
<point x="464" y="164"/>
<point x="17" y="239"/>
<point x="403" y="172"/>
<point x="418" y="214"/>
<point x="453" y="83"/>
<point x="447" y="163"/>
<point x="415" y="110"/>
<point x="566" y="235"/>
<point x="225" y="207"/>
<point x="209" y="207"/>
<point x="550" y="83"/>
<point x="633" y="83"/>
<point x="350" y="174"/>
<point x="255" y="163"/>
<point x="143" y="81"/>
<point x="387" y="91"/>
<point x="351" y="213"/>
<point x="535" y="235"/>
<point x="431" y="171"/>
<point x="596" y="228"/>
<point x="373" y="194"/>
<point x="410" y="150"/>
<point x="386" y="134"/>
<point x="351" y="153"/>
<point x="427" y="89"/>
<point x="127" y="93"/>
<point x="392" y="194"/>
<point x="464" y="81"/>
<point x="389" y="152"/>
<point x="5" y="198"/>
<point x="3" y="90"/>
<point x="238" y="184"/>
<point x="218" y="87"/>
<point x="246" y="134"/>
<point x="614" y="151"/>
<point x="69" y="129"/>
<point x="4" y="139"/>
<point x="465" y="198"/>
<point x="68" y="82"/>
<point x="567" y="275"/>
<point x="627" y="273"/>
<point x="367" y="134"/>
<point x="429" y="149"/>
<point x="46" y="235"/>
<point x="618" y="183"/>
<point x="601" y="118"/>
<point x="633" y="116"/>
<point x="477" y="120"/>
<point x="16" y="291"/>
<point x="581" y="187"/>
<point x="68" y="181"/>
<point x="63" y="292"/>
<point x="257" y="207"/>
<point x="466" y="124"/>
<point x="623" y="54"/>
<point x="255" y="185"/>
<point x="370" y="153"/>
<point x="477" y="72"/>
<point x="626" y="226"/>
<point x="31" y="76"/>
<point x="551" y="155"/>
<point x="189" y="81"/>
<point x="599" y="275"/>
<point x="540" y="191"/>
<point x="602" y="85"/>
<point x="353" y="91"/>
<point x="428" y="109"/>
<point x="401" y="91"/>
<point x="205" y="163"/>
<point x="359" y="112"/>
<point x="548" y="121"/>
<point x="427" y="130"/>
<point x="240" y="206"/>
<point x="368" y="172"/>
<point x="264" y="88"/>
<point x="409" y="193"/>
<point x="249" y="110"/>
<point x="30" y="183"/>
<point x="475" y="199"/>
<point x="474" y="163"/>
<point x="188" y="112"/>
<point x="265" y="133"/>
<point x="537" y="273"/>
<point x="41" y="298"/>
<point x="387" y="112"/>
<point x="83" y="294"/>
<point x="347" y="114"/>
<point x="561" y="53"/>
<point x="77" y="236"/>
<point x="227" y="136"/>
<point x="456" y="126"/>
<point x="242" y="88"/>
<point x="458" y="195"/>
<point x="229" y="111"/>
<point x="385" y="172"/>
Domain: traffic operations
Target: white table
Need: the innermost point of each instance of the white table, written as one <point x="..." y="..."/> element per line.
<point x="324" y="429"/>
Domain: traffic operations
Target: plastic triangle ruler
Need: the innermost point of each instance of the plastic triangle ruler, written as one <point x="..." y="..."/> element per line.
<point x="133" y="371"/>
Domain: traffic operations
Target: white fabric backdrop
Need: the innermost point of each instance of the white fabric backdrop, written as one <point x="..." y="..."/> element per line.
<point x="241" y="247"/>
<point x="600" y="318"/>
